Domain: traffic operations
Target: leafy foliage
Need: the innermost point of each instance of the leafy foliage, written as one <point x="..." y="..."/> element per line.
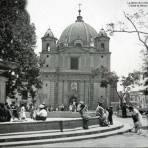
<point x="17" y="43"/>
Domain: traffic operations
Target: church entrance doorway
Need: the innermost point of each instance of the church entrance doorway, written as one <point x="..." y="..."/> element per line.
<point x="73" y="102"/>
<point x="73" y="99"/>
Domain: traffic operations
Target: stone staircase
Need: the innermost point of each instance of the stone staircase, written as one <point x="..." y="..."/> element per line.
<point x="56" y="136"/>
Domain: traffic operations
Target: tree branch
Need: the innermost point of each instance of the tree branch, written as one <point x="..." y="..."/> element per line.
<point x="136" y="30"/>
<point x="126" y="31"/>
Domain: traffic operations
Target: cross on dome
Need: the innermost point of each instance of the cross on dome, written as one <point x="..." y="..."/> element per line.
<point x="79" y="9"/>
<point x="79" y="17"/>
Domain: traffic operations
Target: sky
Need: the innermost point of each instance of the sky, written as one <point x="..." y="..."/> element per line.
<point x="58" y="14"/>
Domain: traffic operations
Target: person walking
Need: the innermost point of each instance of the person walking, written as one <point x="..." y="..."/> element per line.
<point x="137" y="119"/>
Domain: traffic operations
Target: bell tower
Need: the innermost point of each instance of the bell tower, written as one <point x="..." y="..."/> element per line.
<point x="48" y="41"/>
<point x="102" y="41"/>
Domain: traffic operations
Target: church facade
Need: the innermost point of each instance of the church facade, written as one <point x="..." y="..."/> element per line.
<point x="68" y="65"/>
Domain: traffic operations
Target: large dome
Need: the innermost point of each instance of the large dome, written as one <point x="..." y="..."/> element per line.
<point x="78" y="32"/>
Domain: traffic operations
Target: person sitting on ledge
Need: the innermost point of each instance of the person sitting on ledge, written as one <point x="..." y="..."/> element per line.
<point x="42" y="113"/>
<point x="100" y="113"/>
<point x="22" y="112"/>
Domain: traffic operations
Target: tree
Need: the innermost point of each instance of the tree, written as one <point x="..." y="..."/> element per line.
<point x="17" y="43"/>
<point x="129" y="80"/>
<point x="111" y="78"/>
<point x="106" y="78"/>
<point x="135" y="23"/>
<point x="16" y="32"/>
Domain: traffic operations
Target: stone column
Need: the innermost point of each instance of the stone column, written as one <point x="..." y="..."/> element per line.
<point x="56" y="88"/>
<point x="63" y="92"/>
<point x="84" y="91"/>
<point x="2" y="89"/>
<point x="91" y="84"/>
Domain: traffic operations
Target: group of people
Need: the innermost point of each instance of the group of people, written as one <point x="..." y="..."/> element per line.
<point x="104" y="115"/>
<point x="5" y="114"/>
<point x="18" y="113"/>
<point x="39" y="113"/>
<point x="9" y="113"/>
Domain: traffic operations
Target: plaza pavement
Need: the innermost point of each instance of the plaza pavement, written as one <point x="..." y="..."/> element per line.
<point x="127" y="122"/>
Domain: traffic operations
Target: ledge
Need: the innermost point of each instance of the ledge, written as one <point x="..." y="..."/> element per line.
<point x="55" y="124"/>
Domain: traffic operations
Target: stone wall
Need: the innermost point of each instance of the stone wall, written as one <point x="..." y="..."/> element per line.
<point x="13" y="127"/>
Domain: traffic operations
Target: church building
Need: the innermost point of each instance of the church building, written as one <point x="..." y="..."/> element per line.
<point x="68" y="64"/>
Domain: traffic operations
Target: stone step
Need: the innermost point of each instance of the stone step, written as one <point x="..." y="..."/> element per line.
<point x="44" y="138"/>
<point x="67" y="133"/>
<point x="65" y="139"/>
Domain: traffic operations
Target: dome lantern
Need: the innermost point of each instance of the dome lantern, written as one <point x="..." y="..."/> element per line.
<point x="102" y="33"/>
<point x="79" y="17"/>
<point x="49" y="33"/>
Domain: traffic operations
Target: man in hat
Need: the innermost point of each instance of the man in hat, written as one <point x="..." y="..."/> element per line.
<point x="110" y="115"/>
<point x="42" y="114"/>
<point x="82" y="108"/>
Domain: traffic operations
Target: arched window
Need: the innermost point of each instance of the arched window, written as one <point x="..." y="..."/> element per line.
<point x="47" y="47"/>
<point x="102" y="46"/>
<point x="91" y="42"/>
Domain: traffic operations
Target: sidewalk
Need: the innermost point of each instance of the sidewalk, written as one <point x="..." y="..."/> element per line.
<point x="130" y="121"/>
